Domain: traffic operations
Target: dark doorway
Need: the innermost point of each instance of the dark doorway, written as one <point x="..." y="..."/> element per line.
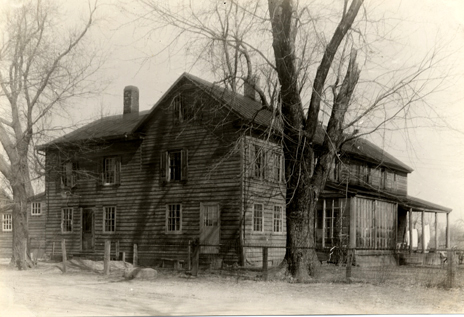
<point x="88" y="229"/>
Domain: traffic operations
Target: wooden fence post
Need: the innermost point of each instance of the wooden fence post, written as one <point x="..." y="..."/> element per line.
<point x="349" y="263"/>
<point x="265" y="262"/>
<point x="195" y="257"/>
<point x="135" y="258"/>
<point x="451" y="277"/>
<point x="189" y="260"/>
<point x="106" y="262"/>
<point x="63" y="252"/>
<point x="116" y="250"/>
<point x="124" y="256"/>
<point x="53" y="250"/>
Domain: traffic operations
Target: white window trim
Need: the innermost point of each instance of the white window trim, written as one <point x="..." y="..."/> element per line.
<point x="5" y="221"/>
<point x="32" y="209"/>
<point x="62" y="220"/>
<point x="104" y="219"/>
<point x="167" y="222"/>
<point x="253" y="219"/>
<point x="281" y="218"/>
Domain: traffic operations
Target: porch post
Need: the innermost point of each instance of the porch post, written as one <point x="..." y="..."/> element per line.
<point x="323" y="224"/>
<point x="423" y="230"/>
<point x="410" y="230"/>
<point x="436" y="230"/>
<point x="448" y="240"/>
<point x="353" y="222"/>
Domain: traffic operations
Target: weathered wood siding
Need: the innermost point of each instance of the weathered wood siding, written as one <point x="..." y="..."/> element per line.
<point x="6" y="239"/>
<point x="268" y="193"/>
<point x="359" y="173"/>
<point x="213" y="176"/>
<point x="37" y="224"/>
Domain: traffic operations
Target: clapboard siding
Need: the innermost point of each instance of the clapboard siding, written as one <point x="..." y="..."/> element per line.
<point x="6" y="239"/>
<point x="140" y="199"/>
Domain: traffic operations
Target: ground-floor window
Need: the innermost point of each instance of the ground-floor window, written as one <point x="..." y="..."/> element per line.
<point x="7" y="222"/>
<point x="375" y="224"/>
<point x="66" y="220"/>
<point x="278" y="219"/>
<point x="109" y="219"/>
<point x="258" y="218"/>
<point x="331" y="218"/>
<point x="174" y="218"/>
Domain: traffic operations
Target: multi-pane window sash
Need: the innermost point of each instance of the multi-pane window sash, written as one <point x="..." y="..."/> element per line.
<point x="278" y="219"/>
<point x="67" y="220"/>
<point x="258" y="218"/>
<point x="111" y="170"/>
<point x="36" y="209"/>
<point x="174" y="218"/>
<point x="277" y="167"/>
<point x="175" y="166"/>
<point x="68" y="174"/>
<point x="109" y="219"/>
<point x="7" y="222"/>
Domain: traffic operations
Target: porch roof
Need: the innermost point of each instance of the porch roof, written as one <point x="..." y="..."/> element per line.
<point x="417" y="204"/>
<point x="407" y="202"/>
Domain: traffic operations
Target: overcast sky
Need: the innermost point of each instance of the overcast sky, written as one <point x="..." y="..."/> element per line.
<point x="435" y="154"/>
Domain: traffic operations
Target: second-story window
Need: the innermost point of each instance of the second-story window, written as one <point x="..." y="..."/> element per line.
<point x="173" y="166"/>
<point x="277" y="167"/>
<point x="7" y="222"/>
<point x="257" y="161"/>
<point x="111" y="171"/>
<point x="69" y="174"/>
<point x="36" y="209"/>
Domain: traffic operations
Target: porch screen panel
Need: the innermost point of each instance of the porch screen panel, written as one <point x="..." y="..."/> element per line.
<point x="375" y="224"/>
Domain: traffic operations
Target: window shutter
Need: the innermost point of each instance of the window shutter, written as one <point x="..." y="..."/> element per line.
<point x="100" y="169"/>
<point x="184" y="163"/>
<point x="282" y="168"/>
<point x="251" y="160"/>
<point x="74" y="173"/>
<point x="117" y="176"/>
<point x="162" y="167"/>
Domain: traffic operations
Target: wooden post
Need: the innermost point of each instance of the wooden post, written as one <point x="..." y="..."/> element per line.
<point x="265" y="262"/>
<point x="436" y="231"/>
<point x="423" y="231"/>
<point x="451" y="269"/>
<point x="352" y="223"/>
<point x="63" y="252"/>
<point x="189" y="260"/>
<point x="410" y="230"/>
<point x="53" y="249"/>
<point x="124" y="256"/>
<point x="448" y="240"/>
<point x="195" y="257"/>
<point x="349" y="263"/>
<point x="323" y="223"/>
<point x="106" y="262"/>
<point x="116" y="250"/>
<point x="135" y="258"/>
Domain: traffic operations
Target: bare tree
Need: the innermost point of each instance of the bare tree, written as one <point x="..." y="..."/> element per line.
<point x="41" y="68"/>
<point x="307" y="75"/>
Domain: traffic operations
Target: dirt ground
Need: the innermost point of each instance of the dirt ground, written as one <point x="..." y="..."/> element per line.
<point x="84" y="291"/>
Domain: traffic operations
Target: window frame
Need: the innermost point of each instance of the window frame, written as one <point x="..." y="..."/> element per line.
<point x="280" y="220"/>
<point x="69" y="219"/>
<point x="116" y="170"/>
<point x="7" y="222"/>
<point x="178" y="166"/>
<point x="33" y="208"/>
<point x="255" y="218"/>
<point x="105" y="210"/>
<point x="168" y="217"/>
<point x="69" y="174"/>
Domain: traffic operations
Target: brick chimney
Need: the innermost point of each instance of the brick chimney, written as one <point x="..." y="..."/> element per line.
<point x="131" y="100"/>
<point x="249" y="91"/>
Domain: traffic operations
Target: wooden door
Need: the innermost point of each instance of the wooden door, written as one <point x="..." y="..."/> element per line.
<point x="209" y="228"/>
<point x="88" y="229"/>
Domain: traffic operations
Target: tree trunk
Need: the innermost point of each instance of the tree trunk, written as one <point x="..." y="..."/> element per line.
<point x="20" y="229"/>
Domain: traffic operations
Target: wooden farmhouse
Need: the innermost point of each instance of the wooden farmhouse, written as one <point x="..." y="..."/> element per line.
<point x="6" y="232"/>
<point x="205" y="163"/>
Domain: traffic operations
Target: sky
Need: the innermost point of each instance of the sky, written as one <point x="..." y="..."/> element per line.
<point x="435" y="153"/>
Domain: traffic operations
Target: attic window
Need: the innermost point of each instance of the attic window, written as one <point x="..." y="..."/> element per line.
<point x="36" y="209"/>
<point x="181" y="111"/>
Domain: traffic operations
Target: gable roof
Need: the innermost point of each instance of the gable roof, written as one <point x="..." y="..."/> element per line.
<point x="119" y="126"/>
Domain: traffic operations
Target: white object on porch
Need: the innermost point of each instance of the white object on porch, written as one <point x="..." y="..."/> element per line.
<point x="414" y="238"/>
